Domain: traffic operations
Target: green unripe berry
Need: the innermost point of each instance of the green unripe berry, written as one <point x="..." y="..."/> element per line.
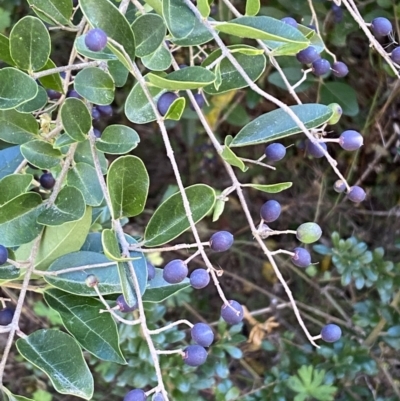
<point x="308" y="233"/>
<point x="336" y="113"/>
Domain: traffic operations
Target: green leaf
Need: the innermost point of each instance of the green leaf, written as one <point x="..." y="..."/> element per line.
<point x="10" y="159"/>
<point x="265" y="28"/>
<point x="270" y="188"/>
<point x="83" y="154"/>
<point x="30" y="44"/>
<point x="170" y="220"/>
<point x="106" y="16"/>
<point x="117" y="139"/>
<point x="95" y="85"/>
<point x="16" y="88"/>
<point x="7" y="271"/>
<point x="159" y="290"/>
<point x="51" y="81"/>
<point x="38" y="102"/>
<point x="52" y="352"/>
<point x="105" y="54"/>
<point x="16" y="127"/>
<point x="185" y="78"/>
<point x="197" y="36"/>
<point x="111" y="246"/>
<point x="160" y="60"/>
<point x="95" y="331"/>
<point x="149" y="31"/>
<point x="229" y="76"/>
<point x="84" y="177"/>
<point x="5" y="55"/>
<point x="278" y="124"/>
<point x="230" y="157"/>
<point x="218" y="209"/>
<point x="18" y="219"/>
<point x="41" y="154"/>
<point x="118" y="72"/>
<point x="128" y="185"/>
<point x="179" y="18"/>
<point x="76" y="119"/>
<point x="341" y="93"/>
<point x="204" y="8"/>
<point x="68" y="206"/>
<point x="293" y="75"/>
<point x="58" y="241"/>
<point x="59" y="10"/>
<point x="176" y="109"/>
<point x="252" y="7"/>
<point x="11" y="397"/>
<point x="14" y="185"/>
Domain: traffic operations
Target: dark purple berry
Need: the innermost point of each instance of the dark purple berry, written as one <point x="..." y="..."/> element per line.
<point x="308" y="55"/>
<point x="356" y="194"/>
<point x="123" y="306"/>
<point x="195" y="355"/>
<point x="3" y="254"/>
<point x="6" y="316"/>
<point x="381" y="26"/>
<point x="290" y="21"/>
<point x="313" y="27"/>
<point x="158" y="397"/>
<point x="96" y="40"/>
<point x="331" y="333"/>
<point x="337" y="13"/>
<point x="53" y="95"/>
<point x="270" y="211"/>
<point x="105" y="111"/>
<point x="135" y="395"/>
<point x="151" y="271"/>
<point x="339" y="69"/>
<point x="47" y="180"/>
<point x="165" y="100"/>
<point x="321" y="67"/>
<point x="202" y="334"/>
<point x="351" y="140"/>
<point x="221" y="241"/>
<point x="175" y="271"/>
<point x="314" y="150"/>
<point x="199" y="98"/>
<point x="74" y="93"/>
<point x="395" y="55"/>
<point x="199" y="278"/>
<point x="63" y="74"/>
<point x="339" y="186"/>
<point x="275" y="152"/>
<point x="96" y="132"/>
<point x="230" y="315"/>
<point x="301" y="257"/>
<point x="95" y="114"/>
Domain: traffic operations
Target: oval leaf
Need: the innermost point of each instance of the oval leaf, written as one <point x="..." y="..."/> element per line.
<point x="10" y="159"/>
<point x="83" y="154"/>
<point x="14" y="185"/>
<point x="270" y="188"/>
<point x="149" y="31"/>
<point x="117" y="139"/>
<point x="59" y="10"/>
<point x="76" y="119"/>
<point x="39" y="101"/>
<point x="179" y="18"/>
<point x="17" y="127"/>
<point x="41" y="154"/>
<point x="160" y="60"/>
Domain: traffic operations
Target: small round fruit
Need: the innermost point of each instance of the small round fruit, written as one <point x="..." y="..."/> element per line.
<point x="351" y="140"/>
<point x="337" y="112"/>
<point x="339" y="186"/>
<point x="74" y="93"/>
<point x="3" y="254"/>
<point x="331" y="333"/>
<point x="123" y="306"/>
<point x="151" y="271"/>
<point x="53" y="95"/>
<point x="96" y="40"/>
<point x="158" y="397"/>
<point x="135" y="395"/>
<point x="339" y="69"/>
<point x="199" y="278"/>
<point x="96" y="133"/>
<point x="165" y="100"/>
<point x="6" y="316"/>
<point x="195" y="355"/>
<point x="91" y="280"/>
<point x="202" y="334"/>
<point x="308" y="233"/>
<point x="232" y="316"/>
<point x="356" y="194"/>
<point x="321" y="67"/>
<point x="395" y="55"/>
<point x="275" y="152"/>
<point x="199" y="98"/>
<point x="290" y="21"/>
<point x="221" y="241"/>
<point x="47" y="180"/>
<point x="95" y="114"/>
<point x="337" y="13"/>
<point x="315" y="150"/>
<point x="270" y="211"/>
<point x="381" y="26"/>
<point x="105" y="111"/>
<point x="308" y="55"/>
<point x="301" y="257"/>
<point x="175" y="271"/>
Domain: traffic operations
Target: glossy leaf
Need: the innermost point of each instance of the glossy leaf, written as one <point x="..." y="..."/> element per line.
<point x="38" y="102"/>
<point x="16" y="88"/>
<point x="128" y="185"/>
<point x="105" y="54"/>
<point x="111" y="247"/>
<point x="95" y="331"/>
<point x="117" y="139"/>
<point x="68" y="206"/>
<point x="118" y="72"/>
<point x="30" y="44"/>
<point x="76" y="119"/>
<point x="9" y="272"/>
<point x="229" y="156"/>
<point x="341" y="93"/>
<point x="52" y="352"/>
<point x="197" y="36"/>
<point x="252" y="7"/>
<point x="277" y="124"/>
<point x="83" y="154"/>
<point x="218" y="209"/>
<point x="160" y="60"/>
<point x="270" y="188"/>
<point x="41" y="154"/>
<point x="17" y="127"/>
<point x="10" y="159"/>
<point x="14" y="185"/>
<point x="185" y="78"/>
<point x="51" y="81"/>
<point x="149" y="31"/>
<point x="5" y="55"/>
<point x="83" y="176"/>
<point x="58" y="241"/>
<point x="179" y="18"/>
<point x="95" y="85"/>
<point x="59" y="10"/>
<point x="176" y="109"/>
<point x="170" y="220"/>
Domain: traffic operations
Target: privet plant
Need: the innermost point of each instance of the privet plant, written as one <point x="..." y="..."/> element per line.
<point x="68" y="190"/>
